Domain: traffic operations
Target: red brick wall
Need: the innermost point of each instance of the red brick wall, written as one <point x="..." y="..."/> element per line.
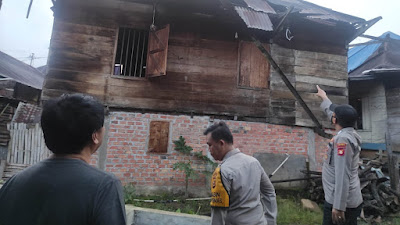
<point x="127" y="155"/>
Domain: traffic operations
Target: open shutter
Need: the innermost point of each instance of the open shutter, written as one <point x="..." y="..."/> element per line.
<point x="157" y="53"/>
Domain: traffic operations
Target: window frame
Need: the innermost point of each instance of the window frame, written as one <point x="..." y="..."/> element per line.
<point x="115" y="55"/>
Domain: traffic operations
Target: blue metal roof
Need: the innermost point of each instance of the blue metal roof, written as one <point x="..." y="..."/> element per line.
<point x="359" y="54"/>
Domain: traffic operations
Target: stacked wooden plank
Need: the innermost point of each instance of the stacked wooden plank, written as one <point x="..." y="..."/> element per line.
<point x="379" y="198"/>
<point x="27" y="145"/>
<point x="12" y="169"/>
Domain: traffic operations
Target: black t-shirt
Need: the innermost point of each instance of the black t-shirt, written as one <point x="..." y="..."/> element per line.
<point x="62" y="191"/>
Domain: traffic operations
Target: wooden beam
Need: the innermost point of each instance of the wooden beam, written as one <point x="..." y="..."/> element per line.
<point x="278" y="27"/>
<point x="365" y="43"/>
<point x="319" y="128"/>
<point x="29" y="9"/>
<point x="365" y="27"/>
<point x="379" y="39"/>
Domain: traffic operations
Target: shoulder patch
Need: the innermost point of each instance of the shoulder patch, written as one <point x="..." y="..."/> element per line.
<point x="341" y="147"/>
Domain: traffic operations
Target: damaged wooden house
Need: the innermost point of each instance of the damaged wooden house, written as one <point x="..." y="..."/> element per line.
<point x="374" y="83"/>
<point x="171" y="68"/>
<point x="20" y="91"/>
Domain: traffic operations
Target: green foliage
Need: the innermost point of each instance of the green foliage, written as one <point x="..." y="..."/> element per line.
<point x="291" y="212"/>
<point x="186" y="168"/>
<point x="200" y="155"/>
<point x="180" y="146"/>
<point x="129" y="193"/>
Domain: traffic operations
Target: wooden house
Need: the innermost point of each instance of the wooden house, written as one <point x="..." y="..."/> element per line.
<point x="20" y="90"/>
<point x="374" y="82"/>
<point x="170" y="67"/>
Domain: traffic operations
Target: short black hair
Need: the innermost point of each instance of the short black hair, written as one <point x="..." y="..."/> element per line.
<point x="346" y="115"/>
<point x="220" y="131"/>
<point x="69" y="121"/>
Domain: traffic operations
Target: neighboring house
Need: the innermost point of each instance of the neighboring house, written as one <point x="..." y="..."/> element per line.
<point x="174" y="68"/>
<point x="20" y="90"/>
<point x="374" y="84"/>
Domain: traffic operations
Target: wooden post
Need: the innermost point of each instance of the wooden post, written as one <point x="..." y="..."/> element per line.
<point x="2" y="168"/>
<point x="319" y="129"/>
<point x="393" y="163"/>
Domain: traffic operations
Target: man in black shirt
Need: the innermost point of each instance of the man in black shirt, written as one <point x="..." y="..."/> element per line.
<point x="65" y="189"/>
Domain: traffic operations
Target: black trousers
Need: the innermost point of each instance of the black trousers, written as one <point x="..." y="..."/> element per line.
<point x="350" y="215"/>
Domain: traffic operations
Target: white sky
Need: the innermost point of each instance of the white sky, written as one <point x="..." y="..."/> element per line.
<point x="19" y="37"/>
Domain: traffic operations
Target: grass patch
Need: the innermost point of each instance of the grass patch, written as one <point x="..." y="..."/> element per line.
<point x="290" y="212"/>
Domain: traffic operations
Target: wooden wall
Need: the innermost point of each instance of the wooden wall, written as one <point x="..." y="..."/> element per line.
<point x="393" y="115"/>
<point x="202" y="70"/>
<point x="374" y="110"/>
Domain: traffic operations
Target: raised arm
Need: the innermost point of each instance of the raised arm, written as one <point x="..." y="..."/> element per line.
<point x="326" y="102"/>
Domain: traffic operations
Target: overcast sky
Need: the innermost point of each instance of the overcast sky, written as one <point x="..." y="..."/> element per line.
<point x="19" y="37"/>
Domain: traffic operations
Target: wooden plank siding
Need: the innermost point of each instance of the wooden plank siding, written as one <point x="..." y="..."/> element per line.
<point x="393" y="116"/>
<point x="202" y="71"/>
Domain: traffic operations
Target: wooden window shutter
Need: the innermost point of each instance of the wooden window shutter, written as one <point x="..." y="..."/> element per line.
<point x="254" y="68"/>
<point x="159" y="136"/>
<point x="157" y="53"/>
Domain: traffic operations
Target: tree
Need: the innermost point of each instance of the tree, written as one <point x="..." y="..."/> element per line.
<point x="186" y="167"/>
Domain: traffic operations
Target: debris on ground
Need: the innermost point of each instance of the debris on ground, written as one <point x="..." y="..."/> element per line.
<point x="379" y="198"/>
<point x="310" y="205"/>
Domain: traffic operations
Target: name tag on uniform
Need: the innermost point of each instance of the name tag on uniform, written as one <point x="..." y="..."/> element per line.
<point x="341" y="147"/>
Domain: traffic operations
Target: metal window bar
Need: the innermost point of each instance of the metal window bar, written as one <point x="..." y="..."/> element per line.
<point x="143" y="59"/>
<point x="133" y="50"/>
<point x="131" y="53"/>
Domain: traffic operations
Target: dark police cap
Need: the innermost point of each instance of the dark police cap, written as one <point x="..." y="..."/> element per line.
<point x="344" y="112"/>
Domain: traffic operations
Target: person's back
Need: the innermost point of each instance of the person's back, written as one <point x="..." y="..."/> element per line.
<point x="65" y="189"/>
<point x="245" y="175"/>
<point x="61" y="191"/>
<point x="241" y="192"/>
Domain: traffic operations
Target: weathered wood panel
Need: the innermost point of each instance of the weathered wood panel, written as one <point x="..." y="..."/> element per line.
<point x="158" y="138"/>
<point x="27" y="145"/>
<point x="254" y="68"/>
<point x="393" y="117"/>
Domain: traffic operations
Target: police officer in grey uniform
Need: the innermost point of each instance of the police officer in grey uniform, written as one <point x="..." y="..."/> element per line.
<point x="242" y="193"/>
<point x="340" y="179"/>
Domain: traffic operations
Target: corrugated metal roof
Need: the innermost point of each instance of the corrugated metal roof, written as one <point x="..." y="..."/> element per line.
<point x="260" y="5"/>
<point x="316" y="12"/>
<point x="359" y="54"/>
<point x="20" y="72"/>
<point x="254" y="19"/>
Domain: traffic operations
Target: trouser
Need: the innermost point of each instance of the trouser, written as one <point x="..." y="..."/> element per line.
<point x="350" y="215"/>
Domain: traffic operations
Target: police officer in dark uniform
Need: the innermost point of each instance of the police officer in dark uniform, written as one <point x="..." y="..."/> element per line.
<point x="340" y="179"/>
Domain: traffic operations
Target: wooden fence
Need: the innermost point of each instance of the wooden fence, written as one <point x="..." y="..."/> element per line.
<point x="27" y="145"/>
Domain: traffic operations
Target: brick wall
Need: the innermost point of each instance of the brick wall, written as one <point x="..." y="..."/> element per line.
<point x="129" y="159"/>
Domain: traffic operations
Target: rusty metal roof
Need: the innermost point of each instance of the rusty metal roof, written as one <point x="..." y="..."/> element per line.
<point x="255" y="19"/>
<point x="260" y="5"/>
<point x="27" y="113"/>
<point x="313" y="11"/>
<point x="20" y="72"/>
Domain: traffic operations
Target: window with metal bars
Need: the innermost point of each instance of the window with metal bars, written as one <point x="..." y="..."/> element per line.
<point x="130" y="59"/>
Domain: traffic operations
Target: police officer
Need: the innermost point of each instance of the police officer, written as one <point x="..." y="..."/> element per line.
<point x="241" y="190"/>
<point x="340" y="180"/>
